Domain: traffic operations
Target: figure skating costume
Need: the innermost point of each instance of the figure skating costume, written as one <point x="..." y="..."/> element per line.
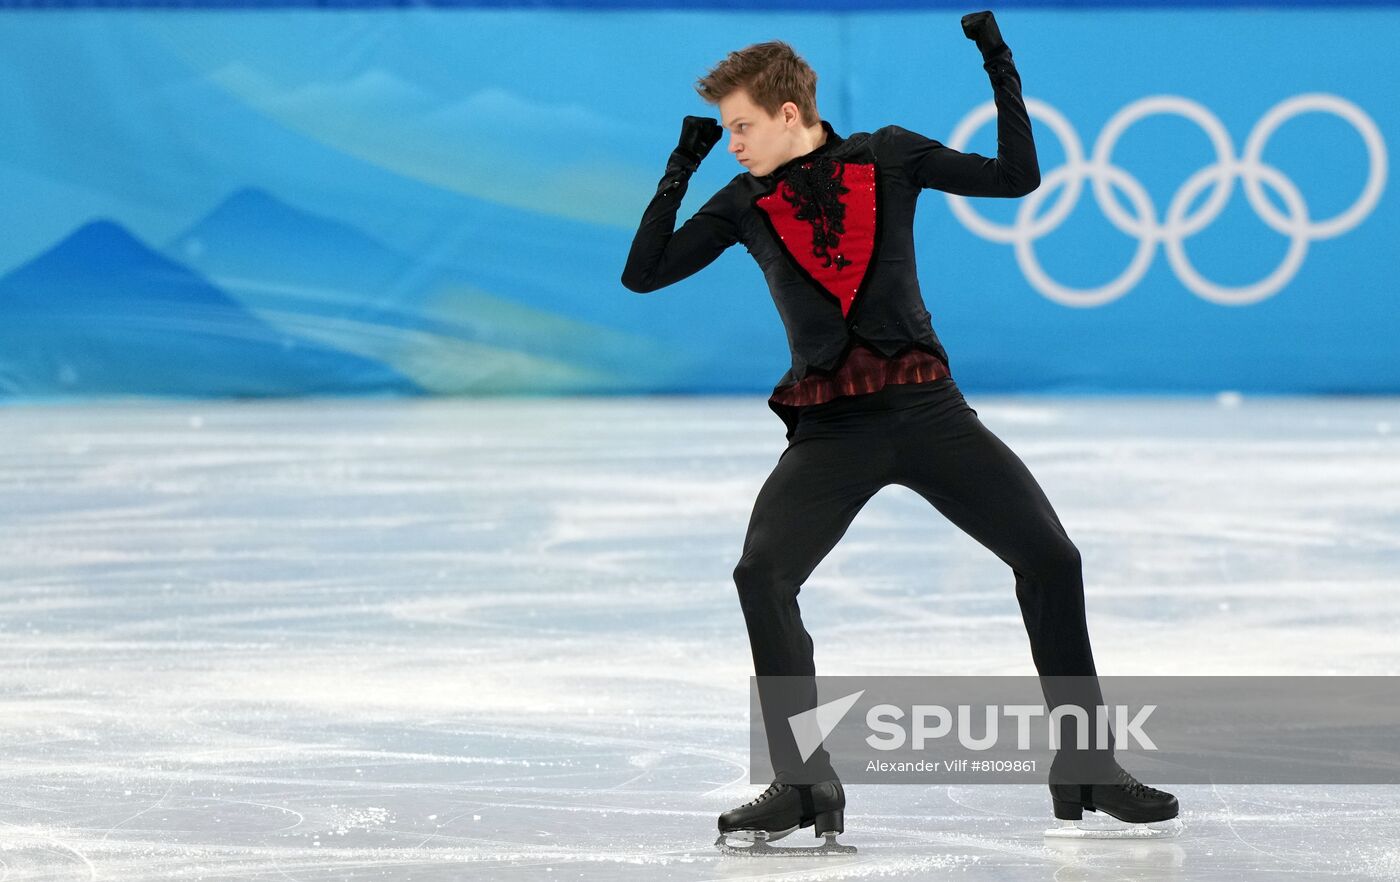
<point x="869" y="401"/>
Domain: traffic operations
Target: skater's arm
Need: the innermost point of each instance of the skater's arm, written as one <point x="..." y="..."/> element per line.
<point x="662" y="255"/>
<point x="1015" y="171"/>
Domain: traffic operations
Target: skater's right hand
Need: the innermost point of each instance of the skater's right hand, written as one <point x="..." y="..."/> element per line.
<point x="698" y="135"/>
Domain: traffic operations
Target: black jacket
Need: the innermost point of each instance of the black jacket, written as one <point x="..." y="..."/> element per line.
<point x="833" y="230"/>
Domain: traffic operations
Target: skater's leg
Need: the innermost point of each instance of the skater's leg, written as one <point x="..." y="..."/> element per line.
<point x="837" y="460"/>
<point x="948" y="456"/>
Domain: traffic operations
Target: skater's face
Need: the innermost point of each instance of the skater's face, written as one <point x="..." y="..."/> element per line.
<point x="758" y="141"/>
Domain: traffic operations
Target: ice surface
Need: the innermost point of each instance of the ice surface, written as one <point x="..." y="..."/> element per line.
<point x="498" y="639"/>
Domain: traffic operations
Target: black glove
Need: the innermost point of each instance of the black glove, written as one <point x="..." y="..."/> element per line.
<point x="698" y="135"/>
<point x="982" y="28"/>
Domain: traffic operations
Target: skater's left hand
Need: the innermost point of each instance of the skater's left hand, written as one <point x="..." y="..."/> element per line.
<point x="981" y="27"/>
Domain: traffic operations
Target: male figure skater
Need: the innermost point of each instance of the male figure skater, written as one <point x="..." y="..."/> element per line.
<point x="869" y="400"/>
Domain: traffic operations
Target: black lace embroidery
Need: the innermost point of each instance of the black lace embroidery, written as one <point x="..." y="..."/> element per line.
<point x="816" y="194"/>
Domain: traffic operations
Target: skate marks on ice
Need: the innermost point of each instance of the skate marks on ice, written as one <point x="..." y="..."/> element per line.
<point x="431" y="641"/>
<point x="270" y="790"/>
<point x="1243" y="832"/>
<point x="1236" y="834"/>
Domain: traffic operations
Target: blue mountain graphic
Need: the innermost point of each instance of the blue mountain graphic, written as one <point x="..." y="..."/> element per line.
<point x="450" y="325"/>
<point x="101" y="313"/>
<point x="276" y="257"/>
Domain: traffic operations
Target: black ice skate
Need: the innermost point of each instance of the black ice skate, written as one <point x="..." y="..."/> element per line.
<point x="1148" y="813"/>
<point x="783" y="809"/>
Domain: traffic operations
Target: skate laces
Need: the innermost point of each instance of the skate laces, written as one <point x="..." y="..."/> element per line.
<point x="772" y="789"/>
<point x="1134" y="786"/>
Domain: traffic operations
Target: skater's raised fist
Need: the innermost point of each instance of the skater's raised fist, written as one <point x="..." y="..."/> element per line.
<point x="981" y="27"/>
<point x="698" y="135"/>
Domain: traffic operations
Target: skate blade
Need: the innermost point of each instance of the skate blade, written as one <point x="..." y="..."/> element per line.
<point x="1078" y="830"/>
<point x="759" y="835"/>
<point x="760" y="847"/>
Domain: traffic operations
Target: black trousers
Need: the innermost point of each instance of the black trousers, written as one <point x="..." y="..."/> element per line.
<point x="923" y="436"/>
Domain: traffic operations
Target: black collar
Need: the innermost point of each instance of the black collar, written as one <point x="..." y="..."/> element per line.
<point x="832" y="139"/>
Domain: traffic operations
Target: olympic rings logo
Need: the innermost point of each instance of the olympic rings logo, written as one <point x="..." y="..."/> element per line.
<point x="1178" y="225"/>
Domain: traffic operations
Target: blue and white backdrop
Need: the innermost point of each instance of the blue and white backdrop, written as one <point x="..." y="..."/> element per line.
<point x="262" y="199"/>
